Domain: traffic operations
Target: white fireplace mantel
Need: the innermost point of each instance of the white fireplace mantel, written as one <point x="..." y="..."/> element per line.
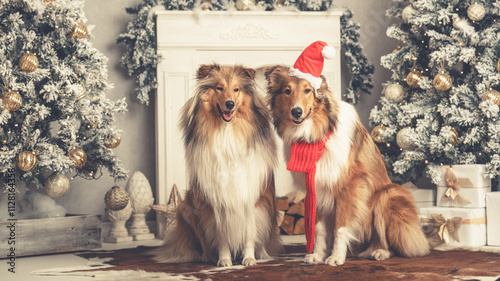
<point x="255" y="39"/>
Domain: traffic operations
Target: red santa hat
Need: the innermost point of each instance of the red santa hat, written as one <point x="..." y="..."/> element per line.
<point x="309" y="65"/>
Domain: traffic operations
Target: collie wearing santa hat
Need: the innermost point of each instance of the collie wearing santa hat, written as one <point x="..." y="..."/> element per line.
<point x="350" y="198"/>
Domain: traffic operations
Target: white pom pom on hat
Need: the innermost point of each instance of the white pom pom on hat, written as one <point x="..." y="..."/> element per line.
<point x="309" y="65"/>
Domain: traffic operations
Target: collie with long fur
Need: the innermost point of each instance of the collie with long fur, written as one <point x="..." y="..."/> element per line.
<point x="229" y="210"/>
<point x="356" y="200"/>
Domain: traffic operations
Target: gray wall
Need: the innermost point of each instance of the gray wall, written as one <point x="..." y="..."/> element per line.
<point x="137" y="150"/>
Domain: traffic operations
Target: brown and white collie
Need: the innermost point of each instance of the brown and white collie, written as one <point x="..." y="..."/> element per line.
<point x="229" y="210"/>
<point x="356" y="200"/>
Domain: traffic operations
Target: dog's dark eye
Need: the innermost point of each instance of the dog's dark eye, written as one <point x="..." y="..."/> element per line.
<point x="288" y="91"/>
<point x="236" y="89"/>
<point x="220" y="89"/>
<point x="307" y="91"/>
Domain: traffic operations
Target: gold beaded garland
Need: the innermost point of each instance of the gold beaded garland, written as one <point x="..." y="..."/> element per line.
<point x="493" y="96"/>
<point x="78" y="157"/>
<point x="413" y="78"/>
<point x="26" y="161"/>
<point x="442" y="82"/>
<point x="377" y="133"/>
<point x="28" y="62"/>
<point x="12" y="101"/>
<point x="79" y="31"/>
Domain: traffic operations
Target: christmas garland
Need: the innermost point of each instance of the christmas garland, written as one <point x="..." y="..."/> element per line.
<point x="141" y="60"/>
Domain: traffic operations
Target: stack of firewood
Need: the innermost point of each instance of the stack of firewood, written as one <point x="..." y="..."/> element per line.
<point x="291" y="213"/>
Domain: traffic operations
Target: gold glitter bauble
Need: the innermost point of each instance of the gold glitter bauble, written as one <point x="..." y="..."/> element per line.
<point x="113" y="143"/>
<point x="28" y="62"/>
<point x="395" y="93"/>
<point x="79" y="31"/>
<point x="26" y="161"/>
<point x="493" y="96"/>
<point x="78" y="157"/>
<point x="476" y="12"/>
<point x="377" y="133"/>
<point x="57" y="185"/>
<point x="413" y="78"/>
<point x="442" y="82"/>
<point x="403" y="140"/>
<point x="12" y="101"/>
<point x="456" y="23"/>
<point x="116" y="198"/>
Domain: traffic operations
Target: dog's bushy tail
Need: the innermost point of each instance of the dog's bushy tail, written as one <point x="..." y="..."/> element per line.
<point x="181" y="244"/>
<point x="404" y="233"/>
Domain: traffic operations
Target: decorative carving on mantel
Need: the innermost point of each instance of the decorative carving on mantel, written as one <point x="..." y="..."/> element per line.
<point x="249" y="31"/>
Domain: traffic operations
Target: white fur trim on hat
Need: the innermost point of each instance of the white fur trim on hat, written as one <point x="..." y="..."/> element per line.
<point x="328" y="52"/>
<point x="314" y="81"/>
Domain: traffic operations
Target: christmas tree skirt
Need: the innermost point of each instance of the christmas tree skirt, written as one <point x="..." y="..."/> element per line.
<point x="137" y="264"/>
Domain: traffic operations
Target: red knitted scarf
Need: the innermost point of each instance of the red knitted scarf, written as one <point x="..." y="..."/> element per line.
<point x="303" y="159"/>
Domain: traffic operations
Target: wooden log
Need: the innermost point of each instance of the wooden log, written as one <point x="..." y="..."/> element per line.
<point x="297" y="209"/>
<point x="288" y="224"/>
<point x="282" y="203"/>
<point x="299" y="227"/>
<point x="296" y="196"/>
<point x="280" y="217"/>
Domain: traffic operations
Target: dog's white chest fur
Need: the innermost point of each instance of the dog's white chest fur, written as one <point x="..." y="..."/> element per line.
<point x="230" y="174"/>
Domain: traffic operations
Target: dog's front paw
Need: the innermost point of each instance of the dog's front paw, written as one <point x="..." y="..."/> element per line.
<point x="334" y="260"/>
<point x="249" y="261"/>
<point x="381" y="254"/>
<point x="224" y="263"/>
<point x="313" y="258"/>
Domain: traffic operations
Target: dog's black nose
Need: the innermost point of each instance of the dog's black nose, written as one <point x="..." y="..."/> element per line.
<point x="229" y="105"/>
<point x="296" y="112"/>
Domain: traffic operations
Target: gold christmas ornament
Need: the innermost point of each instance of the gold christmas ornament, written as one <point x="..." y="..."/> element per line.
<point x="78" y="157"/>
<point x="81" y="92"/>
<point x="456" y="23"/>
<point x="395" y="93"/>
<point x="113" y="143"/>
<point x="79" y="31"/>
<point x="476" y="12"/>
<point x="377" y="133"/>
<point x="407" y="12"/>
<point x="116" y="198"/>
<point x="57" y="185"/>
<point x="206" y="5"/>
<point x="26" y="161"/>
<point x="498" y="65"/>
<point x="454" y="136"/>
<point x="48" y="1"/>
<point x="413" y="78"/>
<point x="244" y="5"/>
<point x="28" y="62"/>
<point x="403" y="139"/>
<point x="442" y="82"/>
<point x="493" y="96"/>
<point x="12" y="101"/>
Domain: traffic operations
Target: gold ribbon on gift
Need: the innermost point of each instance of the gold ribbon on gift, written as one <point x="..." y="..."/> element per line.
<point x="454" y="184"/>
<point x="444" y="228"/>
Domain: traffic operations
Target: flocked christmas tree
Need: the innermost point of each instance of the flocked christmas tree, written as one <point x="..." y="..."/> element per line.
<point x="55" y="120"/>
<point x="441" y="106"/>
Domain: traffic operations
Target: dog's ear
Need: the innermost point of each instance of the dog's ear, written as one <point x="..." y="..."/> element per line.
<point x="250" y="72"/>
<point x="268" y="70"/>
<point x="205" y="70"/>
<point x="323" y="91"/>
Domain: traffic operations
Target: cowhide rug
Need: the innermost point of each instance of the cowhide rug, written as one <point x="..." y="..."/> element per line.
<point x="137" y="264"/>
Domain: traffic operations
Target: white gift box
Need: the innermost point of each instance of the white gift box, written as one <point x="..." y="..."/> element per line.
<point x="468" y="175"/>
<point x="466" y="197"/>
<point x="463" y="186"/>
<point x="470" y="224"/>
<point x="423" y="197"/>
<point x="493" y="216"/>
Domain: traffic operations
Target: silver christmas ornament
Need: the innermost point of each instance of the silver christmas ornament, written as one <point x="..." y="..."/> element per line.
<point x="57" y="185"/>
